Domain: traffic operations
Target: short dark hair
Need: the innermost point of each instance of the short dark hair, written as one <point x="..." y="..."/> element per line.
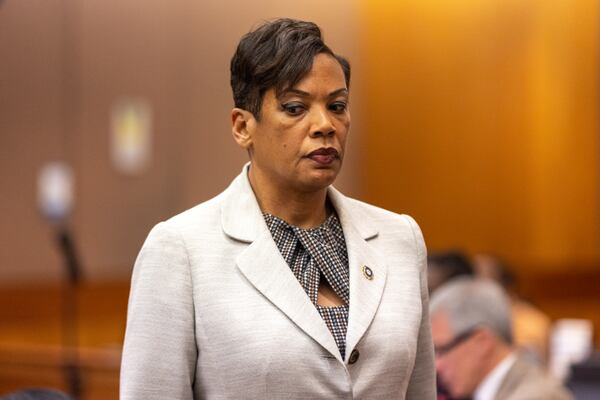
<point x="277" y="54"/>
<point x="453" y="261"/>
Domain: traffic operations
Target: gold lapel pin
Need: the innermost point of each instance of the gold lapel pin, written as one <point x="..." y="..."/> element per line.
<point x="367" y="272"/>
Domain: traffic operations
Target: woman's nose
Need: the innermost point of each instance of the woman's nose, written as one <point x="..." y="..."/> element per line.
<point x="322" y="125"/>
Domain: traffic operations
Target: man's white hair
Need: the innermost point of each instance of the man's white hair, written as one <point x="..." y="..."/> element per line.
<point x="470" y="302"/>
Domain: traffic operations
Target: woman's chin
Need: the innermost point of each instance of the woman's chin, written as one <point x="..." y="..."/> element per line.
<point x="320" y="179"/>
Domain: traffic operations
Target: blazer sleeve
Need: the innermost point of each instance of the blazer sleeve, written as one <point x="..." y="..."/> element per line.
<point x="160" y="353"/>
<point x="422" y="381"/>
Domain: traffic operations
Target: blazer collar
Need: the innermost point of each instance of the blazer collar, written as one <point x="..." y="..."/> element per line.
<point x="242" y="218"/>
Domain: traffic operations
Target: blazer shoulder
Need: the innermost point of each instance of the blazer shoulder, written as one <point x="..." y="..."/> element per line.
<point x="392" y="225"/>
<point x="182" y="229"/>
<point x="382" y="216"/>
<point x="201" y="215"/>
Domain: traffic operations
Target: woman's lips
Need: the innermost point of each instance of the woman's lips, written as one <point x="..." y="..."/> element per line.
<point x="324" y="156"/>
<point x="323" y="159"/>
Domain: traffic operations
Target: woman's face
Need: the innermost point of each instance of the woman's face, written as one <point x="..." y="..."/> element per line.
<point x="298" y="143"/>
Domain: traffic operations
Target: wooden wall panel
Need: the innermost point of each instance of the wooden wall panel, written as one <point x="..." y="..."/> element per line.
<point x="65" y="63"/>
<point x="31" y="133"/>
<point x="176" y="55"/>
<point x="482" y="122"/>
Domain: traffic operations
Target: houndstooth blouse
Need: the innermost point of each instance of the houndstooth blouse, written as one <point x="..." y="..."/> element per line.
<point x="314" y="254"/>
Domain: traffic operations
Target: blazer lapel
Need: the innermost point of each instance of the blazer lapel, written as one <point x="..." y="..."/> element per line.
<point x="263" y="265"/>
<point x="365" y="293"/>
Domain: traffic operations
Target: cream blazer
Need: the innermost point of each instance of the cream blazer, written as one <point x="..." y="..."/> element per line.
<point x="216" y="313"/>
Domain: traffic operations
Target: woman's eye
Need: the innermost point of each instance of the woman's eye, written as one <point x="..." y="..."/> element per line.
<point x="338" y="106"/>
<point x="293" y="108"/>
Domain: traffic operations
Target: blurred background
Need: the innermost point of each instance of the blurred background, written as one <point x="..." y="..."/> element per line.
<point x="480" y="118"/>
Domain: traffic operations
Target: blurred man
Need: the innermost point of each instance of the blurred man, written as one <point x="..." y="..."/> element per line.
<point x="475" y="357"/>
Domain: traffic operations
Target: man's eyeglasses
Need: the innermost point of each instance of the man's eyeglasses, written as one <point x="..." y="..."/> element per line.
<point x="445" y="348"/>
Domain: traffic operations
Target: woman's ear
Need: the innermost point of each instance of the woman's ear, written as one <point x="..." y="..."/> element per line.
<point x="242" y="127"/>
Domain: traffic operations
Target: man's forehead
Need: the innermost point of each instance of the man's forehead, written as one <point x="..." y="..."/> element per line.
<point x="440" y="327"/>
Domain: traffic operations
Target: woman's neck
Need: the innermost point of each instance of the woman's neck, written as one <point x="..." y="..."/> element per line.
<point x="302" y="209"/>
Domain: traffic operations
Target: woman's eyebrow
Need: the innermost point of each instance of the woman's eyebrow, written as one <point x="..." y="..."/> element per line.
<point x="338" y="92"/>
<point x="294" y="91"/>
<point x="302" y="93"/>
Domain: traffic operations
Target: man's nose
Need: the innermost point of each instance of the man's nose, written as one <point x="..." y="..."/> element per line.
<point x="439" y="363"/>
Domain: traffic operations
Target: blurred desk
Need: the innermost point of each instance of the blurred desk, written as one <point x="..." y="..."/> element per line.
<point x="31" y="337"/>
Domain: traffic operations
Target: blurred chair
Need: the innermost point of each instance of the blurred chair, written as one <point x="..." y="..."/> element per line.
<point x="584" y="379"/>
<point x="37" y="394"/>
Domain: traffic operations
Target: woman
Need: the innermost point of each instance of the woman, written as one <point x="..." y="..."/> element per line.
<point x="281" y="287"/>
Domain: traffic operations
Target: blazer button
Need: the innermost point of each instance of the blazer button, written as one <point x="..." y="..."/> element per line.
<point x="353" y="356"/>
<point x="367" y="272"/>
